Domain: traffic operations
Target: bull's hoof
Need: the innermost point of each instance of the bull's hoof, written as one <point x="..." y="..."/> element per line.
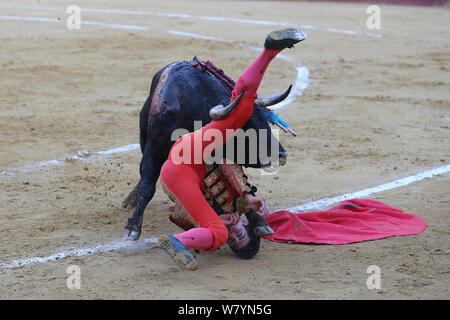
<point x="285" y="38"/>
<point x="132" y="231"/>
<point x="133" y="235"/>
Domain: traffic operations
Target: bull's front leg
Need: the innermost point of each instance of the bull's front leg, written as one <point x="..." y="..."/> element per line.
<point x="147" y="186"/>
<point x="133" y="229"/>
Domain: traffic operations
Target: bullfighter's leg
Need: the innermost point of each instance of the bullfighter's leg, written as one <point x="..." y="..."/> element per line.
<point x="183" y="183"/>
<point x="276" y="41"/>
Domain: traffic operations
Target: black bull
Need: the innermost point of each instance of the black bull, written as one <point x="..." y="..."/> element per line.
<point x="181" y="93"/>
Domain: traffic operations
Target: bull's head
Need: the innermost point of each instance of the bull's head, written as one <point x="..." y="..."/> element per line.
<point x="255" y="145"/>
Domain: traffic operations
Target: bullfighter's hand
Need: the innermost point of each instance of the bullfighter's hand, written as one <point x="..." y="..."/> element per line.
<point x="257" y="204"/>
<point x="230" y="219"/>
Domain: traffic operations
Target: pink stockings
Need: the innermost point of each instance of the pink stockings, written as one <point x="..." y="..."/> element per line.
<point x="251" y="78"/>
<point x="196" y="238"/>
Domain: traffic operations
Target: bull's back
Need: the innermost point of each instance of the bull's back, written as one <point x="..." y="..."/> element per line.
<point x="183" y="89"/>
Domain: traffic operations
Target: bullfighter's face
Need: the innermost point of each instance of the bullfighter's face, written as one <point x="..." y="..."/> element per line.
<point x="237" y="236"/>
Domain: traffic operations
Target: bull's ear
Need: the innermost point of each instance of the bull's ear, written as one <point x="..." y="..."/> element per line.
<point x="220" y="112"/>
<point x="270" y="101"/>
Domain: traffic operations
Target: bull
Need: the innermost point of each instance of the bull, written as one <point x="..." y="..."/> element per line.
<point x="181" y="93"/>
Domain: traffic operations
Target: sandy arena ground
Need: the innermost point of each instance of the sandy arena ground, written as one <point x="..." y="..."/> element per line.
<point x="376" y="110"/>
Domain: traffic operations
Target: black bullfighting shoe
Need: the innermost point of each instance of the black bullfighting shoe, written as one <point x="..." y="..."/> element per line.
<point x="285" y="38"/>
<point x="259" y="226"/>
<point x="178" y="251"/>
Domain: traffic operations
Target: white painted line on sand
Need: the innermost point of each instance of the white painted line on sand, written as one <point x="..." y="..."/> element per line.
<point x="115" y="245"/>
<point x="83" y="22"/>
<point x="114" y="25"/>
<point x="367" y="192"/>
<point x="36" y="19"/>
<point x="82" y="155"/>
<point x="197" y="36"/>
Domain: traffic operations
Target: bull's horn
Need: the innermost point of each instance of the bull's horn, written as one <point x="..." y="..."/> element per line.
<point x="220" y="112"/>
<point x="270" y="101"/>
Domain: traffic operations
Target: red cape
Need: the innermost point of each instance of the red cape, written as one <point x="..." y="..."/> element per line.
<point x="351" y="221"/>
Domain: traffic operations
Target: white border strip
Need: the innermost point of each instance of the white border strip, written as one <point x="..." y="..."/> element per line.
<point x="366" y="192"/>
<point x="29" y="19"/>
<point x="84" y="22"/>
<point x="129" y="246"/>
<point x="149" y="243"/>
<point x="82" y="155"/>
<point x="197" y="36"/>
<point x="114" y="25"/>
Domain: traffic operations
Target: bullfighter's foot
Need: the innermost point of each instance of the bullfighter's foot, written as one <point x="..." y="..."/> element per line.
<point x="285" y="38"/>
<point x="262" y="231"/>
<point x="259" y="226"/>
<point x="132" y="230"/>
<point x="178" y="252"/>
